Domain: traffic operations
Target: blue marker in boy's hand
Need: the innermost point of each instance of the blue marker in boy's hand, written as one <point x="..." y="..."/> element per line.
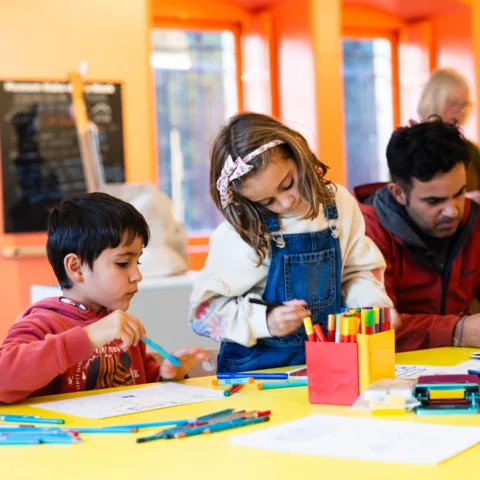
<point x="168" y="356"/>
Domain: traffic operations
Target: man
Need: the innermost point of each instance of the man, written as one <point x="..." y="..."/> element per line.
<point x="429" y="234"/>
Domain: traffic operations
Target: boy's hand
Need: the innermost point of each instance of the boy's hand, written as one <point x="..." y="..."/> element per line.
<point x="119" y="325"/>
<point x="286" y="319"/>
<point x="188" y="357"/>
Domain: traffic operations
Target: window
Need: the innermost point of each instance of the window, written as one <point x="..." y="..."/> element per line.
<point x="368" y="100"/>
<point x="195" y="76"/>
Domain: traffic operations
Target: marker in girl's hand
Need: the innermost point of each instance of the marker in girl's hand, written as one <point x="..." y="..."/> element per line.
<point x="259" y="301"/>
<point x="168" y="356"/>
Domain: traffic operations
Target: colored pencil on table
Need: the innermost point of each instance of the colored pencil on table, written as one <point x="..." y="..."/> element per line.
<point x="30" y="419"/>
<point x="220" y="427"/>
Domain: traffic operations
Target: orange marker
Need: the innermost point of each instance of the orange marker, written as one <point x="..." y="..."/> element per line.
<point x="319" y="334"/>
<point x="355" y="321"/>
<point x="376" y="313"/>
<point x="331" y="328"/>
<point x="345" y="329"/>
<point x="309" y="329"/>
<point x="386" y="319"/>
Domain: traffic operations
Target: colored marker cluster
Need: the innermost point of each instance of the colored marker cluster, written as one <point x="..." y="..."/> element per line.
<point x="28" y="434"/>
<point x="214" y="422"/>
<point x="343" y="327"/>
<point x="238" y="380"/>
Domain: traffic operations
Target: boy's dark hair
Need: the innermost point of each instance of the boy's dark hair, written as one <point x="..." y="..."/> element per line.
<point x="421" y="150"/>
<point x="86" y="225"/>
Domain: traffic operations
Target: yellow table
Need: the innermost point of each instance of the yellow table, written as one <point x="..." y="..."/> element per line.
<point x="211" y="456"/>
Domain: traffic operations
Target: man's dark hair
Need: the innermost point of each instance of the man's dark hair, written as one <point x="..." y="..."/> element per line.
<point x="88" y="224"/>
<point x="421" y="150"/>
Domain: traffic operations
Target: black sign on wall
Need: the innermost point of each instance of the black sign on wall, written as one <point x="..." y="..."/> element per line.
<point x="40" y="155"/>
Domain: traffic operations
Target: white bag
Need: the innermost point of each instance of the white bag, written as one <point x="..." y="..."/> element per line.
<point x="166" y="253"/>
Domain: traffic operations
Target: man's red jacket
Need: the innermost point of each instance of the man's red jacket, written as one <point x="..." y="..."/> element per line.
<point x="431" y="293"/>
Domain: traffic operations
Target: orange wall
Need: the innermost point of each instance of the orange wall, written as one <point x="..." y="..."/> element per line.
<point x="454" y="48"/>
<point x="292" y="47"/>
<point x="47" y="39"/>
<point x="307" y="46"/>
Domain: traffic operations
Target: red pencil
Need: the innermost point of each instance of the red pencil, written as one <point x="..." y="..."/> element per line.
<point x="233" y="389"/>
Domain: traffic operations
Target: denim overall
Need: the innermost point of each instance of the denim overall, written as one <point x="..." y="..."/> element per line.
<point x="304" y="266"/>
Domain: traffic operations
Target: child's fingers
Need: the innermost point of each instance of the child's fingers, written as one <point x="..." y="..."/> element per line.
<point x="295" y="315"/>
<point x="126" y="339"/>
<point x="167" y="370"/>
<point x="296" y="303"/>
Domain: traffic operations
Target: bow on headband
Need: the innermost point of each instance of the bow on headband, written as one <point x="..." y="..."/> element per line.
<point x="233" y="169"/>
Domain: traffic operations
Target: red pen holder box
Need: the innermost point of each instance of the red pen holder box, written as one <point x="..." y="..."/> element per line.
<point x="339" y="372"/>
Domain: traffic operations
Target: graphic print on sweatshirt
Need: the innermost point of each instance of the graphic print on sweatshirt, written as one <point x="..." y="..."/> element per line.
<point x="108" y="367"/>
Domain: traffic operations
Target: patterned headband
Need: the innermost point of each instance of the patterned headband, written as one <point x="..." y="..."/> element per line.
<point x="235" y="169"/>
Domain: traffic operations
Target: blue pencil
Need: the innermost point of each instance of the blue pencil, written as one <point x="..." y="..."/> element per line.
<point x="30" y="419"/>
<point x="218" y="427"/>
<point x="20" y="441"/>
<point x="37" y="431"/>
<point x="257" y="376"/>
<point x="156" y="424"/>
<point x="50" y="438"/>
<point x="154" y="346"/>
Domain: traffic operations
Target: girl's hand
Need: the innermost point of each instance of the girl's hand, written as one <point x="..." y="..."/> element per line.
<point x="188" y="357"/>
<point x="282" y="321"/>
<point x="395" y="318"/>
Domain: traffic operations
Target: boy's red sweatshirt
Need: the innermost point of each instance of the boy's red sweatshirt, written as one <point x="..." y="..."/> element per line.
<point x="46" y="351"/>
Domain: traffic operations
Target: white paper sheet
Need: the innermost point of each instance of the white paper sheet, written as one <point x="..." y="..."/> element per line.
<point x="415" y="371"/>
<point x="364" y="439"/>
<point x="131" y="401"/>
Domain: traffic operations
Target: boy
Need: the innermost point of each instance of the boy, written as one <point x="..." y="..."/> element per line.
<point x="85" y="340"/>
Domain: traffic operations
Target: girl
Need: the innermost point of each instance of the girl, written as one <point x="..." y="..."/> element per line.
<point x="290" y="237"/>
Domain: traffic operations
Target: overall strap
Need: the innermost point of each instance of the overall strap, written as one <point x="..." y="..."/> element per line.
<point x="274" y="229"/>
<point x="331" y="215"/>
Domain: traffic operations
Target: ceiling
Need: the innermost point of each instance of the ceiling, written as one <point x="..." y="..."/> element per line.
<point x="404" y="9"/>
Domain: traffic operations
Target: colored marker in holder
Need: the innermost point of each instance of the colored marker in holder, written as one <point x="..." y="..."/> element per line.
<point x="339" y="372"/>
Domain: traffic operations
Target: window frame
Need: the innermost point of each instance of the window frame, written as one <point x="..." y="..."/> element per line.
<point x="198" y="243"/>
<point x="369" y="33"/>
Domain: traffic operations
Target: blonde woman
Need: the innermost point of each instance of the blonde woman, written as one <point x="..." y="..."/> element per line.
<point x="447" y="95"/>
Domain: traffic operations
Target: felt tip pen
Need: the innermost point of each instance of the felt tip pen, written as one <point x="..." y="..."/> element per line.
<point x="319" y="334"/>
<point x="331" y="327"/>
<point x="301" y="382"/>
<point x="307" y="322"/>
<point x="259" y="301"/>
<point x="168" y="356"/>
<point x="256" y="376"/>
<point x="232" y="389"/>
<point x="233" y="381"/>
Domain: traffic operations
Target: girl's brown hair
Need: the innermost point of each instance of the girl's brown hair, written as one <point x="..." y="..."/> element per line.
<point x="244" y="133"/>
